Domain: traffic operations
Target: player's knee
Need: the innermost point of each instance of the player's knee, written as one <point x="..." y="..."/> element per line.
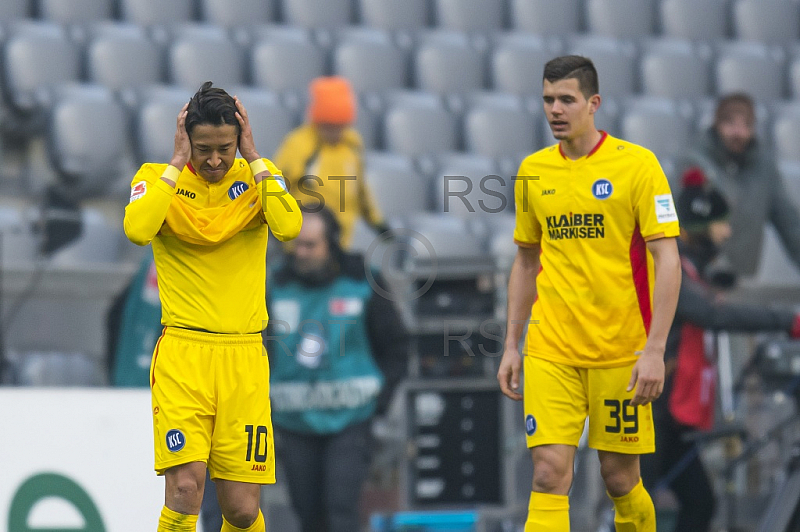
<point x="619" y="482"/>
<point x="185" y="495"/>
<point x="241" y="515"/>
<point x="549" y="477"/>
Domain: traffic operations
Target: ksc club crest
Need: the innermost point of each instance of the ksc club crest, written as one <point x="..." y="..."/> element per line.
<point x="530" y="425"/>
<point x="237" y="189"/>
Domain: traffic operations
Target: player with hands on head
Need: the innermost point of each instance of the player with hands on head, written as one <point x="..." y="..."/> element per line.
<point x="207" y="215"/>
<point x="597" y="270"/>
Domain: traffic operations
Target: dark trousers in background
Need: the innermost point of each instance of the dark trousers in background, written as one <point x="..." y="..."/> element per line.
<point x="324" y="475"/>
<point x="691" y="485"/>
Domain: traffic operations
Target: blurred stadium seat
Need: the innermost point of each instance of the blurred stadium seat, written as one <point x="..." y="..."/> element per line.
<point x="614" y="59"/>
<point x="240" y="12"/>
<point x="75" y="11"/>
<point x="156" y="116"/>
<point x="156" y="12"/>
<point x="675" y="68"/>
<point x="200" y="53"/>
<point x="469" y="185"/>
<point x="545" y="17"/>
<point x="469" y="15"/>
<point x="659" y="124"/>
<point x="446" y="62"/>
<point x="370" y="60"/>
<point x="517" y="62"/>
<point x="394" y="15"/>
<point x="284" y="59"/>
<point x="318" y="13"/>
<point x="19" y="242"/>
<point x="11" y="10"/>
<point x="269" y="119"/>
<point x="122" y="56"/>
<point x="786" y="131"/>
<point x="418" y="124"/>
<point x="100" y="240"/>
<point x="498" y="125"/>
<point x="749" y="67"/>
<point x="768" y="21"/>
<point x="621" y="18"/>
<point x="87" y="137"/>
<point x="37" y="57"/>
<point x="397" y="186"/>
<point x="695" y="19"/>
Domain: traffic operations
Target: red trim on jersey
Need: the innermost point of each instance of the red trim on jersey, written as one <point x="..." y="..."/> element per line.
<point x="191" y="168"/>
<point x="155" y="357"/>
<point x="603" y="136"/>
<point x="641" y="282"/>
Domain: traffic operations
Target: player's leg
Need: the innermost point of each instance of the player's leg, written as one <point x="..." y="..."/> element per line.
<point x="240" y="506"/>
<point x="621" y="432"/>
<point x="182" y="497"/>
<point x="346" y="466"/>
<point x="555" y="413"/>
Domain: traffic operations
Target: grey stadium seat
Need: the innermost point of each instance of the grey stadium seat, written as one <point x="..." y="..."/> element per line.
<point x="37" y="57"/>
<point x="545" y="17"/>
<point x="100" y="240"/>
<point x="675" y="68"/>
<point x="76" y="11"/>
<point x="620" y="18"/>
<point x="469" y="15"/>
<point x="498" y="125"/>
<point x="371" y="61"/>
<point x="156" y="12"/>
<point x="786" y="131"/>
<point x="770" y="21"/>
<point x="19" y="243"/>
<point x="87" y="137"/>
<point x="122" y="56"/>
<point x="11" y="10"/>
<point x="397" y="186"/>
<point x="203" y="53"/>
<point x="446" y="62"/>
<point x="659" y="124"/>
<point x="615" y="61"/>
<point x="518" y="61"/>
<point x="469" y="185"/>
<point x="270" y="120"/>
<point x="230" y="14"/>
<point x="695" y="19"/>
<point x="317" y="13"/>
<point x="418" y="125"/>
<point x="749" y="67"/>
<point x="394" y="15"/>
<point x="794" y="77"/>
<point x="156" y="119"/>
<point x="285" y="60"/>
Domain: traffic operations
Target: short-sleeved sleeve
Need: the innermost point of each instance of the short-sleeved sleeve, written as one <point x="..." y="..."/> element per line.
<point x="653" y="204"/>
<point x="527" y="230"/>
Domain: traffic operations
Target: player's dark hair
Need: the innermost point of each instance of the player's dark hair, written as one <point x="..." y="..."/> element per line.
<point x="573" y="66"/>
<point x="211" y="105"/>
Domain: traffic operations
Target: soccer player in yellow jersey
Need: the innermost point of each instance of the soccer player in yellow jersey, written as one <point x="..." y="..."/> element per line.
<point x="597" y="268"/>
<point x="207" y="214"/>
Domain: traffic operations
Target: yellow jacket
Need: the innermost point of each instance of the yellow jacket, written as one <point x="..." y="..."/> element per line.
<point x="210" y="243"/>
<point x="335" y="176"/>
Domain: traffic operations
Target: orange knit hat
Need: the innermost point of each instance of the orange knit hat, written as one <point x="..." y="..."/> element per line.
<point x="332" y="101"/>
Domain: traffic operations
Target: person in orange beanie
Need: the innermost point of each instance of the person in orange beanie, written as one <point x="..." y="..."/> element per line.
<point x="323" y="160"/>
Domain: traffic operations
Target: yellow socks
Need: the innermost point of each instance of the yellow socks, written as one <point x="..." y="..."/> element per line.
<point x="174" y="522"/>
<point x="257" y="526"/>
<point x="635" y="511"/>
<point x="547" y="513"/>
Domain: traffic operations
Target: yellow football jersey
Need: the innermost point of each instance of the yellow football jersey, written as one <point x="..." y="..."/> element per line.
<point x="592" y="217"/>
<point x="210" y="243"/>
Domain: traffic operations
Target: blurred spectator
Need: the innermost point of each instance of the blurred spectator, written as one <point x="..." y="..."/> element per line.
<point x="337" y="350"/>
<point x="687" y="403"/>
<point x="745" y="173"/>
<point x="323" y="160"/>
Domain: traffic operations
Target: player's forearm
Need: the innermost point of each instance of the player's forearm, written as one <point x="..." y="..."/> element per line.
<point x="145" y="215"/>
<point x="665" y="295"/>
<point x="521" y="295"/>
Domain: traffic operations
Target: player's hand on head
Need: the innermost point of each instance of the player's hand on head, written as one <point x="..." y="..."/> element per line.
<point x="508" y="374"/>
<point x="247" y="146"/>
<point x="183" y="148"/>
<point x="647" y="377"/>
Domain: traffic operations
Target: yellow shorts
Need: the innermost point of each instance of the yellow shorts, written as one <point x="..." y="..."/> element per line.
<point x="558" y="398"/>
<point x="211" y="404"/>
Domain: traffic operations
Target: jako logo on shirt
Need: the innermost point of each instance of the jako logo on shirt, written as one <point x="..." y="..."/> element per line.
<point x="237" y="189"/>
<point x="602" y="188"/>
<point x="530" y="425"/>
<point x="175" y="440"/>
